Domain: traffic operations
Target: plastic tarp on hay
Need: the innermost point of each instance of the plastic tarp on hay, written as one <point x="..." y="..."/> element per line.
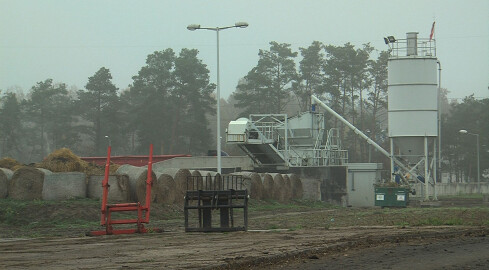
<point x="63" y="186"/>
<point x="118" y="188"/>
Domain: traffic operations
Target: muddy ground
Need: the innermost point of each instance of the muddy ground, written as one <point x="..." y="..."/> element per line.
<point x="293" y="236"/>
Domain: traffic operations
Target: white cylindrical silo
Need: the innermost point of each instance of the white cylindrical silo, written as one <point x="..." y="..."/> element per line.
<point x="413" y="103"/>
<point x="412" y="99"/>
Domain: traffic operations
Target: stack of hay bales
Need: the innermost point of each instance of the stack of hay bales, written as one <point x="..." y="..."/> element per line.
<point x="137" y="182"/>
<point x="118" y="188"/>
<point x="63" y="186"/>
<point x="27" y="183"/>
<point x="207" y="179"/>
<point x="197" y="181"/>
<point x="268" y="185"/>
<point x="5" y="176"/>
<point x="252" y="183"/>
<point x="279" y="191"/>
<point x="180" y="177"/>
<point x="164" y="188"/>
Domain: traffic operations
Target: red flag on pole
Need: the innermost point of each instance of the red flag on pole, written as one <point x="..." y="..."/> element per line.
<point x="432" y="31"/>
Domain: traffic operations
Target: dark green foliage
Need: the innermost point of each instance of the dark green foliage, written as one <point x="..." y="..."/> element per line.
<point x="169" y="100"/>
<point x="310" y="79"/>
<point x="49" y="117"/>
<point x="459" y="151"/>
<point x="99" y="105"/>
<point x="267" y="87"/>
<point x="10" y="126"/>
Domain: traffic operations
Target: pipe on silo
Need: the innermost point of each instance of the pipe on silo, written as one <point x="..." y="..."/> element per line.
<point x="412" y="43"/>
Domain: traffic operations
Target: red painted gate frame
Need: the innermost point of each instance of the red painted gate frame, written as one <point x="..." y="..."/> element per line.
<point x="107" y="209"/>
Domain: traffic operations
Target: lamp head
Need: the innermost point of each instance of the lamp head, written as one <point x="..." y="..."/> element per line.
<point x="241" y="24"/>
<point x="463" y="131"/>
<point x="193" y="27"/>
<point x="391" y="39"/>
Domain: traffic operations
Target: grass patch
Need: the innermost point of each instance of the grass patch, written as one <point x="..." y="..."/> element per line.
<point x="271" y="205"/>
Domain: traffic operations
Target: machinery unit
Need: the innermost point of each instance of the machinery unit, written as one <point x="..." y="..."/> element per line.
<point x="413" y="109"/>
<point x="280" y="142"/>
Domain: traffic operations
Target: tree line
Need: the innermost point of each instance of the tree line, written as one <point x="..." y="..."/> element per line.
<point x="166" y="105"/>
<point x="171" y="104"/>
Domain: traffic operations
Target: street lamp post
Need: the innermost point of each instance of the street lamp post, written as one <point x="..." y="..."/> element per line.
<point x="463" y="131"/>
<point x="108" y="138"/>
<point x="194" y="27"/>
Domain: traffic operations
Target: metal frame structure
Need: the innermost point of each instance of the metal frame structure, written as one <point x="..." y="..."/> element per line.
<point x="143" y="212"/>
<point x="225" y="194"/>
<point x="276" y="140"/>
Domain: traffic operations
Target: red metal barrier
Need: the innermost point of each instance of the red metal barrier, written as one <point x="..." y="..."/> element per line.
<point x="131" y="160"/>
<point x="108" y="209"/>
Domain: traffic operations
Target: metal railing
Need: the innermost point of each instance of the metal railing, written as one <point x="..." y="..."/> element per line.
<point x="423" y="47"/>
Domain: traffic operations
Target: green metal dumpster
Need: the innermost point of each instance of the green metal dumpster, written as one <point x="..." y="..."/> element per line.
<point x="391" y="196"/>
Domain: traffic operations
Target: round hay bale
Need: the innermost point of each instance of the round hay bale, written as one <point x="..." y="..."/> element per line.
<point x="206" y="179"/>
<point x="198" y="181"/>
<point x="141" y="187"/>
<point x="215" y="180"/>
<point x="27" y="183"/>
<point x="296" y="186"/>
<point x="5" y="176"/>
<point x="279" y="191"/>
<point x="180" y="177"/>
<point x="268" y="185"/>
<point x="288" y="187"/>
<point x="252" y="182"/>
<point x="137" y="181"/>
<point x="63" y="186"/>
<point x="164" y="188"/>
<point x="118" y="188"/>
<point x="63" y="160"/>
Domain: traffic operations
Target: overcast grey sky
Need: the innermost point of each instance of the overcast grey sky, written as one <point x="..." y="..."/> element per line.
<point x="69" y="41"/>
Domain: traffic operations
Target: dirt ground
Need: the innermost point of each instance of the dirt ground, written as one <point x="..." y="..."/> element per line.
<point x="295" y="237"/>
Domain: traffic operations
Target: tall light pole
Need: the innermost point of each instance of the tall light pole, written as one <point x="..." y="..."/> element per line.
<point x="108" y="138"/>
<point x="194" y="27"/>
<point x="463" y="131"/>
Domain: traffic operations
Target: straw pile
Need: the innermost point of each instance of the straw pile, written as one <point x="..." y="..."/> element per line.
<point x="95" y="169"/>
<point x="27" y="183"/>
<point x="180" y="177"/>
<point x="5" y="176"/>
<point x="164" y="188"/>
<point x="268" y="185"/>
<point x="63" y="186"/>
<point x="252" y="182"/>
<point x="118" y="188"/>
<point x="63" y="160"/>
<point x="279" y="191"/>
<point x="296" y="186"/>
<point x="9" y="163"/>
